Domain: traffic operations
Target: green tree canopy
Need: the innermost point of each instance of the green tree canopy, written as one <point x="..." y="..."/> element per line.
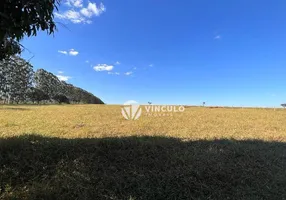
<point x="24" y="17"/>
<point x="61" y="98"/>
<point x="16" y="76"/>
<point x="37" y="95"/>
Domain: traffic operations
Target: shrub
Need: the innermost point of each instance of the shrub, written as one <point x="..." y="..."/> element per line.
<point x="60" y="98"/>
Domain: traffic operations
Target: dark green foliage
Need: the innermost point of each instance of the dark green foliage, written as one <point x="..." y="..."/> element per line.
<point x="24" y="17"/>
<point x="60" y="98"/>
<point x="52" y="86"/>
<point x="283" y="105"/>
<point x="17" y="78"/>
<point x="48" y="83"/>
<point x="138" y="168"/>
<point x="8" y="48"/>
<point x="36" y="95"/>
<point x="79" y="95"/>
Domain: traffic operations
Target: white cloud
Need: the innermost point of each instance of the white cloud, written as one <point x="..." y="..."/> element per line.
<point x="92" y="9"/>
<point x="87" y="61"/>
<point x="117" y="63"/>
<point x="128" y="73"/>
<point x="103" y="67"/>
<point x="74" y="3"/>
<point x="86" y="12"/>
<point x="71" y="15"/>
<point x="63" y="78"/>
<point x="79" y="13"/>
<point x="134" y="68"/>
<point x="217" y="37"/>
<point x="73" y="52"/>
<point x="63" y="52"/>
<point x="60" y="72"/>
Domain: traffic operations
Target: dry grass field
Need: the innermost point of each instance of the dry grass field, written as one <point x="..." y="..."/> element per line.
<point x="99" y="121"/>
<point x="92" y="152"/>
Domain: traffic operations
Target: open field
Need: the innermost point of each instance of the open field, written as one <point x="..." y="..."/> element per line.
<point x="97" y="121"/>
<point x="92" y="152"/>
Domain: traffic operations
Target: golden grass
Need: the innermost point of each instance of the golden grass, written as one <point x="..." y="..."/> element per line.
<point x="98" y="121"/>
<point x="92" y="152"/>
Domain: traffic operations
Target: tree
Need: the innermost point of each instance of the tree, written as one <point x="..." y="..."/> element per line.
<point x="52" y="86"/>
<point x="24" y="17"/>
<point x="77" y="95"/>
<point x="37" y="95"/>
<point x="283" y="105"/>
<point x="18" y="83"/>
<point x="15" y="79"/>
<point x="48" y="83"/>
<point x="60" y="98"/>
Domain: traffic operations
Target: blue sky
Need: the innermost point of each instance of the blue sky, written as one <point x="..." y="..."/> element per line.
<point x="222" y="52"/>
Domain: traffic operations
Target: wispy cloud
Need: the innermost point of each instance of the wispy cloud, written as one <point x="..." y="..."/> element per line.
<point x="74" y="3"/>
<point x="63" y="52"/>
<point x="128" y="73"/>
<point x="60" y="72"/>
<point x="117" y="63"/>
<point x="73" y="16"/>
<point x="114" y="73"/>
<point x="71" y="52"/>
<point x="217" y="37"/>
<point x="103" y="67"/>
<point x="147" y="67"/>
<point x="80" y="14"/>
<point x="93" y="10"/>
<point x="63" y="78"/>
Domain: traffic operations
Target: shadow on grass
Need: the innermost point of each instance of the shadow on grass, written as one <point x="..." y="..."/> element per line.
<point x="16" y="109"/>
<point x="35" y="167"/>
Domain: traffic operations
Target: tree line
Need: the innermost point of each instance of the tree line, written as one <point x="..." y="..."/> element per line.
<point x="20" y="84"/>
